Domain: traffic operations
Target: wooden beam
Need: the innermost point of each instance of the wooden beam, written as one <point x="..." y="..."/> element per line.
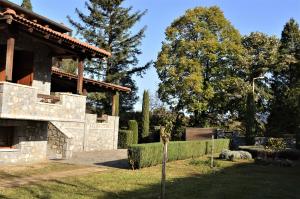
<point x="115" y="104"/>
<point x="9" y="58"/>
<point x="80" y="77"/>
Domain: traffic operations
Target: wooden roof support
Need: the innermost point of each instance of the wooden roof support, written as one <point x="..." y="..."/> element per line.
<point x="80" y="77"/>
<point x="9" y="58"/>
<point x="115" y="104"/>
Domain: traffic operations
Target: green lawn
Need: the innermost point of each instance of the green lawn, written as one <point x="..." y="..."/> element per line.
<point x="186" y="179"/>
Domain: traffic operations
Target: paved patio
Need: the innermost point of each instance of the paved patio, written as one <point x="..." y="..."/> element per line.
<point x="109" y="158"/>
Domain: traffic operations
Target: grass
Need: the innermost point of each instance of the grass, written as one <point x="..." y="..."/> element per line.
<point x="186" y="179"/>
<point x="10" y="172"/>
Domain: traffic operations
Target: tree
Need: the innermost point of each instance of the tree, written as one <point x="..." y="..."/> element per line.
<point x="261" y="57"/>
<point x="284" y="114"/>
<point x="27" y="4"/>
<point x="145" y="115"/>
<point x="201" y="55"/>
<point x="108" y="25"/>
<point x="133" y="126"/>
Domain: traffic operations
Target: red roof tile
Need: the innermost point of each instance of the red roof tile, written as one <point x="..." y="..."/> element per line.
<point x="46" y="30"/>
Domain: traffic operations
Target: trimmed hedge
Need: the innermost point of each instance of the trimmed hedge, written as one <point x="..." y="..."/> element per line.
<point x="260" y="151"/>
<point x="146" y="155"/>
<point x="134" y="127"/>
<point x="125" y="139"/>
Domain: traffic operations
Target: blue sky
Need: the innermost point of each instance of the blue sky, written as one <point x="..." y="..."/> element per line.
<point x="247" y="16"/>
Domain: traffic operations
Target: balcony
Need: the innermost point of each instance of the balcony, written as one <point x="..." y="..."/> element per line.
<point x="24" y="103"/>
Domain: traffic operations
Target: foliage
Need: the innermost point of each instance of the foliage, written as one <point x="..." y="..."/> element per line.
<point x="235" y="155"/>
<point x="250" y="119"/>
<point x="145" y="115"/>
<point x="145" y="155"/>
<point x="262" y="152"/>
<point x="125" y="139"/>
<point x="69" y="66"/>
<point x="276" y="144"/>
<point x="133" y="126"/>
<point x="285" y="108"/>
<point x="27" y="4"/>
<point x="201" y="53"/>
<point x="108" y="25"/>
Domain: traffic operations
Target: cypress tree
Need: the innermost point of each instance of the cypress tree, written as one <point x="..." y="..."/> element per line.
<point x="250" y="119"/>
<point x="145" y="115"/>
<point x="27" y="4"/>
<point x="108" y="25"/>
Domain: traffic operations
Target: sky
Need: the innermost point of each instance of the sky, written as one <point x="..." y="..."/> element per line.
<point x="267" y="16"/>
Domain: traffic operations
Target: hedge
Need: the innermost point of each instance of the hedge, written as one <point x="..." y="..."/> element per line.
<point x="133" y="126"/>
<point x="146" y="155"/>
<point x="125" y="139"/>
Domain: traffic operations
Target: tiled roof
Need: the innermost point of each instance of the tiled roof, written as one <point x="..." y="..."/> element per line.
<point x="101" y="84"/>
<point x="55" y="34"/>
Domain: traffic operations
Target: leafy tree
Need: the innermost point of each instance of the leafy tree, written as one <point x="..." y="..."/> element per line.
<point x="108" y="25"/>
<point x="27" y="4"/>
<point x="284" y="115"/>
<point x="145" y="115"/>
<point x="261" y="57"/>
<point x="199" y="58"/>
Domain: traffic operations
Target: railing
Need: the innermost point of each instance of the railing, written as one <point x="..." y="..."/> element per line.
<point x="48" y="98"/>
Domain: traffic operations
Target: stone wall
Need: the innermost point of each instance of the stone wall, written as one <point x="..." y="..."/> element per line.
<point x="59" y="145"/>
<point x="91" y="135"/>
<point x="21" y="102"/>
<point x="30" y="142"/>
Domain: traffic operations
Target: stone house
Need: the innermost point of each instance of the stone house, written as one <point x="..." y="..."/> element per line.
<point x="42" y="109"/>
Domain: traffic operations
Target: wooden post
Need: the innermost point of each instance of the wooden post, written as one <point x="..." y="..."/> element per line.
<point x="9" y="58"/>
<point x="115" y="104"/>
<point x="80" y="77"/>
<point x="212" y="151"/>
<point x="165" y="137"/>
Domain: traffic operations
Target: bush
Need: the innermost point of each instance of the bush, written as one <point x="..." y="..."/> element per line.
<point x="133" y="126"/>
<point x="125" y="139"/>
<point x="260" y="151"/>
<point x="145" y="116"/>
<point x="235" y="155"/>
<point x="146" y="155"/>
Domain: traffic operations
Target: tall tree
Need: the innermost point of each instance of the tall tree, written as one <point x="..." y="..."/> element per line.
<point x="261" y="56"/>
<point x="284" y="115"/>
<point x="27" y="4"/>
<point x="198" y="64"/>
<point x="108" y="25"/>
<point x="145" y="115"/>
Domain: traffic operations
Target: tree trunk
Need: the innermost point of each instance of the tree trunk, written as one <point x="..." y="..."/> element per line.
<point x="163" y="176"/>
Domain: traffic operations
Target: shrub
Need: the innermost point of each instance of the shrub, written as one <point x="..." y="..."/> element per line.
<point x="125" y="139"/>
<point x="257" y="151"/>
<point x="235" y="155"/>
<point x="145" y="116"/>
<point x="145" y="155"/>
<point x="133" y="126"/>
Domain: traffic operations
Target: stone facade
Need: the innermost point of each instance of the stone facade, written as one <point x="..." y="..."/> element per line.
<point x="29" y="142"/>
<point x="21" y="102"/>
<point x="89" y="135"/>
<point x="59" y="145"/>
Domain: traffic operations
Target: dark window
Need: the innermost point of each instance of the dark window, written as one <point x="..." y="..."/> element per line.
<point x="6" y="137"/>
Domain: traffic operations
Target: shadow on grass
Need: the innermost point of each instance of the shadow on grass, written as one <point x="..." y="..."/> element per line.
<point x="243" y="181"/>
